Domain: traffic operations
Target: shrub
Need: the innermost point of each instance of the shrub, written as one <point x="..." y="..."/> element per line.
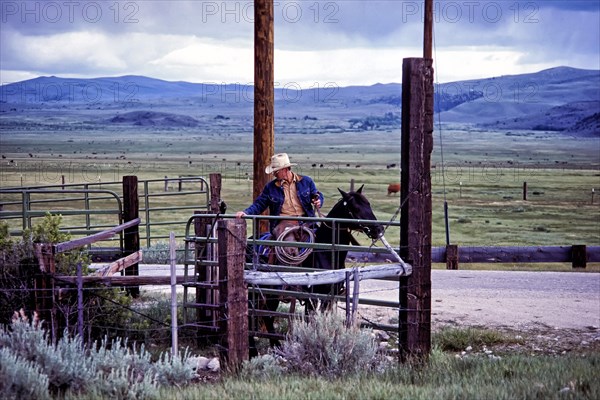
<point x="20" y="378"/>
<point x="324" y="346"/>
<point x="108" y="370"/>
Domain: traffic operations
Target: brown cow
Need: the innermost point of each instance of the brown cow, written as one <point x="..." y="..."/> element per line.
<point x="393" y="188"/>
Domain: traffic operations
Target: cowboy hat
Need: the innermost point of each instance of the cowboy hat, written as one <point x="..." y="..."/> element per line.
<point x="278" y="161"/>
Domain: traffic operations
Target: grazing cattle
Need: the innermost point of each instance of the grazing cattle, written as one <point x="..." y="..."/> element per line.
<point x="393" y="188"/>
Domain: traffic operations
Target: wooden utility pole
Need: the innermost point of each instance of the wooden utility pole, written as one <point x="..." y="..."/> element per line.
<point x="264" y="93"/>
<point x="428" y="30"/>
<point x="415" y="217"/>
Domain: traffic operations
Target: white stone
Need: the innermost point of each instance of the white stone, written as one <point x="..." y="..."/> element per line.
<point x="202" y="363"/>
<point x="214" y="365"/>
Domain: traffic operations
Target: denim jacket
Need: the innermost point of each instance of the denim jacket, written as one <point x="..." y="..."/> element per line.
<point x="272" y="197"/>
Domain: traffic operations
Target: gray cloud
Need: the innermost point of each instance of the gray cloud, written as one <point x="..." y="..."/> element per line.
<point x="130" y="37"/>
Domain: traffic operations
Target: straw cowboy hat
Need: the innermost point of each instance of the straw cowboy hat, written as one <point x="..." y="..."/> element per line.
<point x="278" y="161"/>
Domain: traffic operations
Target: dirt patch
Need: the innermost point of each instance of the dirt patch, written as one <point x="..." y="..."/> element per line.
<point x="540" y="312"/>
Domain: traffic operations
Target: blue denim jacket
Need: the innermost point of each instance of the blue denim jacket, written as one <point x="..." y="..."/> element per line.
<point x="272" y="197"/>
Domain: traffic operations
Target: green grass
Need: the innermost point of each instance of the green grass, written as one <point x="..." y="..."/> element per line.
<point x="482" y="182"/>
<point x="443" y="377"/>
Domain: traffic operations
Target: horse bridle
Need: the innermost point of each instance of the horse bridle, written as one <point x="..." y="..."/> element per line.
<point x="361" y="227"/>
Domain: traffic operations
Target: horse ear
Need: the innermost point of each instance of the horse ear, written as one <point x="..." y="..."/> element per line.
<point x="344" y="194"/>
<point x="360" y="188"/>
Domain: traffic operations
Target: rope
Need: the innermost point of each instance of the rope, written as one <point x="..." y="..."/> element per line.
<point x="286" y="255"/>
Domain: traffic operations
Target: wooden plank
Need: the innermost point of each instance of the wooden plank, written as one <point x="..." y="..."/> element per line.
<point x="326" y="276"/>
<point x="120" y="264"/>
<point x="523" y="254"/>
<point x="96" y="237"/>
<point x="119" y="281"/>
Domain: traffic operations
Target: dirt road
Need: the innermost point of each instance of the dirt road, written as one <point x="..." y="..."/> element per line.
<point x="561" y="300"/>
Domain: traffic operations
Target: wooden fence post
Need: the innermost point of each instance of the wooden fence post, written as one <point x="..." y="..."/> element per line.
<point x="451" y="256"/>
<point x="44" y="286"/>
<point x="415" y="229"/>
<point x="524" y="191"/>
<point x="233" y="290"/>
<point x="131" y="235"/>
<point x="579" y="255"/>
<point x="215" y="192"/>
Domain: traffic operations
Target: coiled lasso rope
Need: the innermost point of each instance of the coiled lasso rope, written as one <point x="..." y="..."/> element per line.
<point x="284" y="254"/>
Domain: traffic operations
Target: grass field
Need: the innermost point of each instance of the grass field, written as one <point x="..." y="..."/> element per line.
<point x="481" y="177"/>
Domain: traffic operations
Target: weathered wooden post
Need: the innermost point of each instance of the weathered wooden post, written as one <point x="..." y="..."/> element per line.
<point x="233" y="291"/>
<point x="525" y="191"/>
<point x="415" y="229"/>
<point x="264" y="94"/>
<point x="44" y="286"/>
<point x="131" y="235"/>
<point x="451" y="256"/>
<point x="579" y="255"/>
<point x="215" y="192"/>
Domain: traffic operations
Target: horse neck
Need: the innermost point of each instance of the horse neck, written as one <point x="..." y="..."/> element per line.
<point x="325" y="233"/>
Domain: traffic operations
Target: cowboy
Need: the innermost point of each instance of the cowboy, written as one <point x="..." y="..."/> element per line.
<point x="289" y="194"/>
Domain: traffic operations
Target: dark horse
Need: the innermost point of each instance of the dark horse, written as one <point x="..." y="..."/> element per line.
<point x="352" y="206"/>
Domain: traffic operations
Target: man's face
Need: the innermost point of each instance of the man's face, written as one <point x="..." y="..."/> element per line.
<point x="281" y="174"/>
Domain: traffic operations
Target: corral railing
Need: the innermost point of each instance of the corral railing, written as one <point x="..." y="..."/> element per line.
<point x="202" y="277"/>
<point x="45" y="294"/>
<point x="87" y="208"/>
<point x="203" y="305"/>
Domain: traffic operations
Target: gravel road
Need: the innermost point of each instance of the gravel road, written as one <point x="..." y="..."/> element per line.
<point x="561" y="300"/>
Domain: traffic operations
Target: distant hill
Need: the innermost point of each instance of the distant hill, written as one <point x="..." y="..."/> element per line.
<point x="559" y="99"/>
<point x="153" y="118"/>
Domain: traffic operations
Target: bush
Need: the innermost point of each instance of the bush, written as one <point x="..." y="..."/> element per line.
<point x="36" y="369"/>
<point x="21" y="379"/>
<point x="322" y="346"/>
<point x="160" y="253"/>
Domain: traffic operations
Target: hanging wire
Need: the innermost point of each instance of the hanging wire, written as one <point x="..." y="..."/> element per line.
<point x="447" y="225"/>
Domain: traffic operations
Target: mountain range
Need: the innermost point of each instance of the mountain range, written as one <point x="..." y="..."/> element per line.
<point x="558" y="99"/>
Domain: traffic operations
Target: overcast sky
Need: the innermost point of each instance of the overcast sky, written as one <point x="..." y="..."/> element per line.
<point x="346" y="42"/>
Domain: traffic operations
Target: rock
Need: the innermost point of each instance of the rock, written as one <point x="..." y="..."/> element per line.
<point x="214" y="365"/>
<point x="383" y="335"/>
<point x="469" y="348"/>
<point x="197" y="362"/>
<point x="202" y="363"/>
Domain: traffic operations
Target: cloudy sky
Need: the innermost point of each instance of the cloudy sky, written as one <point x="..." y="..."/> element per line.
<point x="346" y="42"/>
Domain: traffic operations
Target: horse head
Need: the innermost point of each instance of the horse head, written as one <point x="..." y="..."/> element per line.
<point x="354" y="205"/>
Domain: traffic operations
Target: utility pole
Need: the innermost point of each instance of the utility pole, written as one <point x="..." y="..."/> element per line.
<point x="415" y="229"/>
<point x="264" y="94"/>
<point x="428" y="30"/>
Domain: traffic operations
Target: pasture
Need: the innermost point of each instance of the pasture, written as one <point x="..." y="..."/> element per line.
<point x="481" y="178"/>
<point x="482" y="182"/>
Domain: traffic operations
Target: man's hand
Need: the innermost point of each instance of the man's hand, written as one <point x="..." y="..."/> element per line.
<point x="240" y="214"/>
<point x="316" y="201"/>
